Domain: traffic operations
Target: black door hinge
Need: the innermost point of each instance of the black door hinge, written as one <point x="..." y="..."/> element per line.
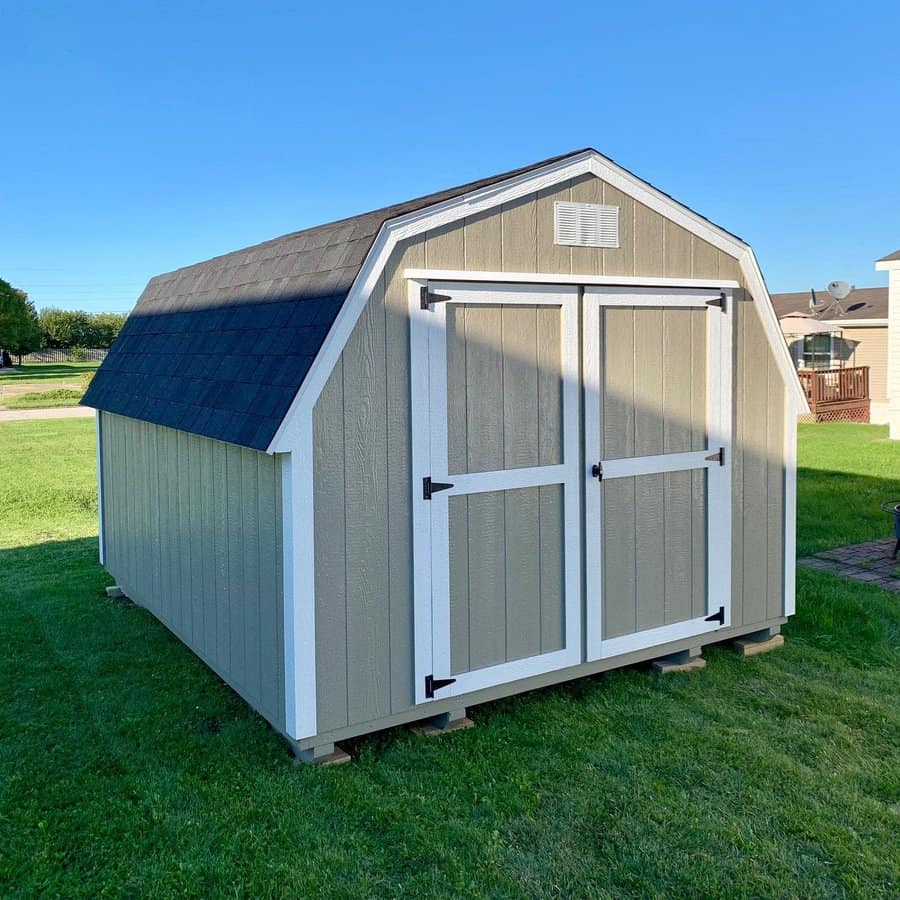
<point x="430" y="487"/>
<point x="597" y="471"/>
<point x="717" y="617"/>
<point x="718" y="456"/>
<point x="720" y="301"/>
<point x="433" y="684"/>
<point x="426" y="298"/>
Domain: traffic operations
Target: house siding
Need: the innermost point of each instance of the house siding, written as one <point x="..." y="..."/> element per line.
<point x="362" y="433"/>
<point x="193" y="533"/>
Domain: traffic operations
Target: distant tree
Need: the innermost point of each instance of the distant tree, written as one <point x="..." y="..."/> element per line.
<point x="106" y="328"/>
<point x="20" y="332"/>
<point x="76" y="328"/>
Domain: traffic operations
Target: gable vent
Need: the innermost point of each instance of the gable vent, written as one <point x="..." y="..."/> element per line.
<point x="586" y="224"/>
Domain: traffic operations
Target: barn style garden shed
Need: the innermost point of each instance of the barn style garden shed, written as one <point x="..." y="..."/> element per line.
<point x="502" y="436"/>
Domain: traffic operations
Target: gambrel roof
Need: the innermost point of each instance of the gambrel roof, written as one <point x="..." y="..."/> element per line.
<point x="223" y="348"/>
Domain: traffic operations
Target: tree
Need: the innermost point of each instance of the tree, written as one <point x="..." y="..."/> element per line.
<point x="20" y="332"/>
<point x="106" y="328"/>
<point x="76" y="328"/>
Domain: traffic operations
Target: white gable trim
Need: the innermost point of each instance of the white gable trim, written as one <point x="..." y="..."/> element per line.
<point x="440" y="214"/>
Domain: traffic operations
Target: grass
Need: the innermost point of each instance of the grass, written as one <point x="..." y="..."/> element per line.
<point x="44" y="399"/>
<point x="845" y="471"/>
<point x="40" y="373"/>
<point x="127" y="767"/>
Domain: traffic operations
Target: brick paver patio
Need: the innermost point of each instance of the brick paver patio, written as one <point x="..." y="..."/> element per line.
<point x="870" y="562"/>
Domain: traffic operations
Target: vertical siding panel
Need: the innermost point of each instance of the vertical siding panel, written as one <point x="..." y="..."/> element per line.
<point x="617" y="383"/>
<point x="677" y="403"/>
<point x="704" y="259"/>
<point x="523" y="575"/>
<point x="221" y="549"/>
<point x="445" y="248"/>
<point x="365" y="440"/>
<point x="457" y="427"/>
<point x="649" y="493"/>
<point x="552" y="540"/>
<point x="483" y="243"/>
<point x="551" y="258"/>
<point x="458" y="512"/>
<point x="755" y="470"/>
<point x="484" y="388"/>
<point x="209" y="474"/>
<point x="677" y="251"/>
<point x="487" y="579"/>
<point x="648" y="241"/>
<point x="250" y="580"/>
<point x="775" y="479"/>
<point x="729" y="267"/>
<point x="198" y="604"/>
<point x="698" y="478"/>
<point x="619" y="563"/>
<point x="520" y="386"/>
<point x="549" y="416"/>
<point x="184" y="531"/>
<point x="620" y="261"/>
<point x="587" y="260"/>
<point x="234" y="508"/>
<point x="399" y="475"/>
<point x="519" y="236"/>
<point x="329" y="504"/>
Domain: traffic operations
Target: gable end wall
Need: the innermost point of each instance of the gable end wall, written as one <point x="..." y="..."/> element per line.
<point x="363" y="512"/>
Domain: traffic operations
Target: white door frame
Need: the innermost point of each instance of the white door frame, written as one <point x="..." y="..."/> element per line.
<point x="428" y="358"/>
<point x="718" y="417"/>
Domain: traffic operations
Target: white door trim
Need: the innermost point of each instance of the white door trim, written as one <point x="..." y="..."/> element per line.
<point x="719" y="369"/>
<point x="430" y="459"/>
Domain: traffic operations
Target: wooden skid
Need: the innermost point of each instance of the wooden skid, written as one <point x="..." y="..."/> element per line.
<point x="334" y="758"/>
<point x="431" y="728"/>
<point x="668" y="665"/>
<point x="747" y="647"/>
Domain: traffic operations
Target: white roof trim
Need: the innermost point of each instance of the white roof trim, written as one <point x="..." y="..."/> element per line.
<point x="477" y="201"/>
<point x="857" y="323"/>
<point x="887" y="265"/>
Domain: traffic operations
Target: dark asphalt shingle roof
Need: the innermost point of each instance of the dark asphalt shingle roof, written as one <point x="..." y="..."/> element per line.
<point x="890" y="257"/>
<point x="220" y="348"/>
<point x="860" y="304"/>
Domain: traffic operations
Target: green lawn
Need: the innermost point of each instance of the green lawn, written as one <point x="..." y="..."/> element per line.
<point x="44" y="399"/>
<point x="127" y="768"/>
<point x="39" y="373"/>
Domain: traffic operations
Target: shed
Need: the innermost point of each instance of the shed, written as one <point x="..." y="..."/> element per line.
<point x="510" y="434"/>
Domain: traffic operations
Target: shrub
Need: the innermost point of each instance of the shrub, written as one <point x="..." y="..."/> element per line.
<point x="79" y="353"/>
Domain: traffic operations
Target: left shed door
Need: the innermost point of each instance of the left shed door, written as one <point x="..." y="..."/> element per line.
<point x="497" y="535"/>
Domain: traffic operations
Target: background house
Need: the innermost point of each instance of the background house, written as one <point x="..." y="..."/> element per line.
<point x="891" y="265"/>
<point x="859" y="337"/>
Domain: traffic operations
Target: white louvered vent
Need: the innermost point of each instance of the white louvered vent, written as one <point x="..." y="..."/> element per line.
<point x="586" y="224"/>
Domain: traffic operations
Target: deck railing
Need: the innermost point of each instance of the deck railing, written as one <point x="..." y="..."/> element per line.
<point x="837" y="393"/>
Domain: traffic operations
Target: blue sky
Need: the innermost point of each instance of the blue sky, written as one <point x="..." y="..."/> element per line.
<point x="142" y="137"/>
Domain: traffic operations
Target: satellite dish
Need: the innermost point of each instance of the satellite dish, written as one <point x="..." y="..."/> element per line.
<point x="839" y="289"/>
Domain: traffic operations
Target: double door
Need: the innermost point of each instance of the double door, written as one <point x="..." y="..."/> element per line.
<point x="571" y="489"/>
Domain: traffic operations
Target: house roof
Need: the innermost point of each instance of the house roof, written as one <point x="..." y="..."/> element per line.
<point x="859" y="305"/>
<point x="891" y="257"/>
<point x="221" y="347"/>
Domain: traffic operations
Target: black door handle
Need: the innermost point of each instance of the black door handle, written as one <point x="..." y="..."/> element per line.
<point x="597" y="471"/>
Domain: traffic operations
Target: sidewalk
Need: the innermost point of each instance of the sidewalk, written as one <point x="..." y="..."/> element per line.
<point x="59" y="412"/>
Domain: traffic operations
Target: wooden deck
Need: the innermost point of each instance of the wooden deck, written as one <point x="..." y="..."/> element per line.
<point x="837" y="395"/>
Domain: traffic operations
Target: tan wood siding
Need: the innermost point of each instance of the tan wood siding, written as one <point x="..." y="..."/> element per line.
<point x="518" y="237"/>
<point x="193" y="534"/>
<point x="865" y="347"/>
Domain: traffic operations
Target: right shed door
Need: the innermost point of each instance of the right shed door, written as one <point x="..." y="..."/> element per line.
<point x="657" y="378"/>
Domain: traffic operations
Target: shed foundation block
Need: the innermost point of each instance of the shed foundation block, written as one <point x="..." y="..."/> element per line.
<point x="322" y="755"/>
<point x="455" y="720"/>
<point x="760" y="641"/>
<point x="684" y="661"/>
